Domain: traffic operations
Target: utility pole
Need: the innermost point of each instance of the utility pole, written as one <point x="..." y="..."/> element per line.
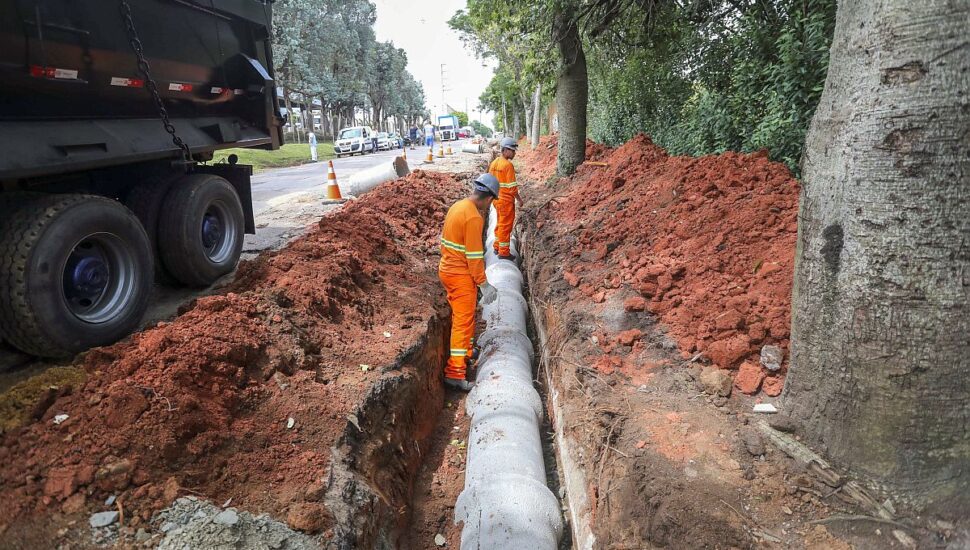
<point x="444" y="106"/>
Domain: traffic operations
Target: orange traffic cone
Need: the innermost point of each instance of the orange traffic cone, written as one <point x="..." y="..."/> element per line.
<point x="441" y="151"/>
<point x="333" y="191"/>
<point x="430" y="156"/>
<point x="449" y="150"/>
<point x="404" y="153"/>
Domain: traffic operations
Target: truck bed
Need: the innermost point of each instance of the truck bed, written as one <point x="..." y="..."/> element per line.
<point x="72" y="97"/>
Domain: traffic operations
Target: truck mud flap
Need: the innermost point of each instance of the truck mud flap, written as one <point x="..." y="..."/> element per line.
<point x="240" y="176"/>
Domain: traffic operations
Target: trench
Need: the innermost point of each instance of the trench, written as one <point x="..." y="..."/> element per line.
<point x="548" y="429"/>
<point x="380" y="452"/>
<point x="566" y="478"/>
<point x="396" y="480"/>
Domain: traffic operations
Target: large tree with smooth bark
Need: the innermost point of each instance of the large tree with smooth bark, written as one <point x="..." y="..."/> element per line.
<point x="571" y="21"/>
<point x="880" y="367"/>
<point x="572" y="95"/>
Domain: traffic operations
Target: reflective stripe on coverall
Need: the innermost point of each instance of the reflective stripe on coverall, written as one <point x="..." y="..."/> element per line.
<point x="502" y="169"/>
<point x="461" y="270"/>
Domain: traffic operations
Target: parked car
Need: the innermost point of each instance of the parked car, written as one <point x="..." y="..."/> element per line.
<point x="354" y="140"/>
<point x="383" y="142"/>
<point x="397" y="141"/>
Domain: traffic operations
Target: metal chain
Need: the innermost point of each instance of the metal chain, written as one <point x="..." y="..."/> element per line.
<point x="145" y="69"/>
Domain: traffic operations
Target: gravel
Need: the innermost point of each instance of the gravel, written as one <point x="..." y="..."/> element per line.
<point x="103" y="519"/>
<point x="191" y="523"/>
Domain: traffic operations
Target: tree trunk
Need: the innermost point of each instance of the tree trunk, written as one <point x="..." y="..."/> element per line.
<point x="505" y="118"/>
<point x="572" y="94"/>
<point x="536" y="115"/>
<point x="880" y="366"/>
<point x="515" y="122"/>
<point x="289" y="114"/>
<point x="527" y="111"/>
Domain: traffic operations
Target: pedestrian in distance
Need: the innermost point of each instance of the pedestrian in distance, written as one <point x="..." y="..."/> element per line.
<point x="462" y="273"/>
<point x="504" y="171"/>
<point x="413" y="134"/>
<point x="429" y="135"/>
<point x="313" y="146"/>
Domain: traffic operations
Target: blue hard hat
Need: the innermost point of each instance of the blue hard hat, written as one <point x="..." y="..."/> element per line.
<point x="509" y="143"/>
<point x="487" y="183"/>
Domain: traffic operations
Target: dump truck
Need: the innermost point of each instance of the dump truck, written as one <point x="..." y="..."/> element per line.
<point x="109" y="116"/>
<point x="448" y="127"/>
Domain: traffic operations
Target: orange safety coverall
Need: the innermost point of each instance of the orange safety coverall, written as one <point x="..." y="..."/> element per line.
<point x="502" y="169"/>
<point x="461" y="270"/>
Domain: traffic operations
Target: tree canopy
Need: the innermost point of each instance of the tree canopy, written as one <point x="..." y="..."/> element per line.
<point x="699" y="76"/>
<point x="327" y="50"/>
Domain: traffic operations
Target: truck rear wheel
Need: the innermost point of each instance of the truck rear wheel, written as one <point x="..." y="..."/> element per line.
<point x="200" y="231"/>
<point x="76" y="273"/>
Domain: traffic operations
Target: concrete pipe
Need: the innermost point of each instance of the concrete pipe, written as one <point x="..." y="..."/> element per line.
<point x="505" y="502"/>
<point x="365" y="180"/>
<point x="472" y="148"/>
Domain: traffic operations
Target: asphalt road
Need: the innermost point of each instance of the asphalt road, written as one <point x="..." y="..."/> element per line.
<point x="280" y="182"/>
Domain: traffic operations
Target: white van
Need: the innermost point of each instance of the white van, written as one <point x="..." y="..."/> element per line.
<point x="354" y="140"/>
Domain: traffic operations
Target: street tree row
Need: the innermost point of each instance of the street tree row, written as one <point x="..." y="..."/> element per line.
<point x="326" y="55"/>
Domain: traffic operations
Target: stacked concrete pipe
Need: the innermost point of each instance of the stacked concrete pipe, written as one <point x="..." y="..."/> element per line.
<point x="470" y="147"/>
<point x="365" y="180"/>
<point x="505" y="503"/>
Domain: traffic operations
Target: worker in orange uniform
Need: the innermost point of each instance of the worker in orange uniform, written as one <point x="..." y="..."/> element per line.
<point x="462" y="272"/>
<point x="502" y="169"/>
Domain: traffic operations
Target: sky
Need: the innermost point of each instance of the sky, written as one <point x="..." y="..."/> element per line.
<point x="421" y="29"/>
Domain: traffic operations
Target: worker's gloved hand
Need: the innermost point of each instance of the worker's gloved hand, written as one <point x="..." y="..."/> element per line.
<point x="489" y="293"/>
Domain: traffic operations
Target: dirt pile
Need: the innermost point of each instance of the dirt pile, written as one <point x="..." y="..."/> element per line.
<point x="244" y="394"/>
<point x="705" y="243"/>
<point x="634" y="269"/>
<point x="540" y="162"/>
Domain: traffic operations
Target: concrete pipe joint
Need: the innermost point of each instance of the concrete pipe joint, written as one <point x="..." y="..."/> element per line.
<point x="365" y="180"/>
<point x="472" y="148"/>
<point x="505" y="502"/>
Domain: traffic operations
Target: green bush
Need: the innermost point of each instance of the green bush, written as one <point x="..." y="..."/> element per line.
<point x="705" y="87"/>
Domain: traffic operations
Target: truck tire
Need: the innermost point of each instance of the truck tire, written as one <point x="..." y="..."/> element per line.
<point x="10" y="203"/>
<point x="145" y="201"/>
<point x="75" y="272"/>
<point x="200" y="234"/>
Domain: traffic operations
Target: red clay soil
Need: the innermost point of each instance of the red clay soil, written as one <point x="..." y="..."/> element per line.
<point x="201" y="405"/>
<point x="540" y="162"/>
<point x="707" y="244"/>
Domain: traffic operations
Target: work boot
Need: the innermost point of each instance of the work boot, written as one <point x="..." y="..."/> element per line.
<point x="455" y="384"/>
<point x="509" y="257"/>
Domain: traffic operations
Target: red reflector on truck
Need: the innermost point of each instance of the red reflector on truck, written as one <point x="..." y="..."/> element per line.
<point x="179" y="87"/>
<point x="52" y="72"/>
<point x="127" y="82"/>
